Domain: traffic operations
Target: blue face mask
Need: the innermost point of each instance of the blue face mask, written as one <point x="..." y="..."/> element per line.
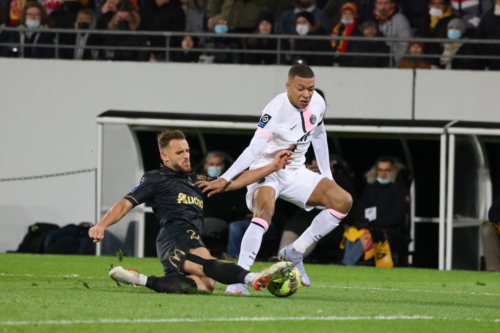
<point x="221" y="29"/>
<point x="383" y="181"/>
<point x="454" y="34"/>
<point x="214" y="171"/>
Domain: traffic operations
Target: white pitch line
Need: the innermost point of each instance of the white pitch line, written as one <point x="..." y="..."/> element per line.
<point x="415" y="290"/>
<point x="238" y="319"/>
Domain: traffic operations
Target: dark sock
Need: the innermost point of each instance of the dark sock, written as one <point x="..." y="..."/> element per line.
<point x="224" y="272"/>
<point x="171" y="284"/>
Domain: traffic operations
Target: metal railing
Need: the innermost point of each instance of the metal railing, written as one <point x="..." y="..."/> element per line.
<point x="279" y="52"/>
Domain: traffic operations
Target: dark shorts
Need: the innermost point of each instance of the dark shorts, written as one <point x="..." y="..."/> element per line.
<point x="173" y="244"/>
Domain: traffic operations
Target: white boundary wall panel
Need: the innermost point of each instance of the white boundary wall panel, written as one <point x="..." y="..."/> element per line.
<point x="461" y="95"/>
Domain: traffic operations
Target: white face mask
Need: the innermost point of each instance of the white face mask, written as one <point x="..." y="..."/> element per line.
<point x="302" y="29"/>
<point x="214" y="171"/>
<point x="32" y="24"/>
<point x="497" y="10"/>
<point x="436" y="12"/>
<point x="347" y="21"/>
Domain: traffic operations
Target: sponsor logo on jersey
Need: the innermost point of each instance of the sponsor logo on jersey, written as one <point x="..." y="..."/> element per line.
<point x="264" y="120"/>
<point x="313" y="119"/>
<point x="187" y="200"/>
<point x="138" y="184"/>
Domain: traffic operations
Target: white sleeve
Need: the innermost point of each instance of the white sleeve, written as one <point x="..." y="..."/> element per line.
<point x="320" y="146"/>
<point x="249" y="155"/>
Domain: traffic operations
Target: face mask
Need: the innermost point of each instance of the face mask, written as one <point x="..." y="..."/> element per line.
<point x="347" y="21"/>
<point x="454" y="34"/>
<point x="123" y="25"/>
<point x="497" y="10"/>
<point x="32" y="24"/>
<point x="214" y="171"/>
<point x="82" y="25"/>
<point x="302" y="29"/>
<point x="383" y="181"/>
<point x="221" y="29"/>
<point x="436" y="12"/>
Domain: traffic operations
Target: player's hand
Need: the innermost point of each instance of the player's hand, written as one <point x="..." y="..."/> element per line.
<point x="281" y="159"/>
<point x="213" y="187"/>
<point x="97" y="233"/>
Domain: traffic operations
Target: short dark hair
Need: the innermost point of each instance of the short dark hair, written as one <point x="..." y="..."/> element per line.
<point x="167" y="136"/>
<point x="385" y="159"/>
<point x="300" y="70"/>
<point x="87" y="11"/>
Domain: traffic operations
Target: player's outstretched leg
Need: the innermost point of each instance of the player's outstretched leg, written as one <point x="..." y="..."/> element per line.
<point x="338" y="203"/>
<point x="263" y="207"/>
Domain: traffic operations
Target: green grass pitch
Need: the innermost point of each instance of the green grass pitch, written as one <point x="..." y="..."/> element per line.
<point x="46" y="293"/>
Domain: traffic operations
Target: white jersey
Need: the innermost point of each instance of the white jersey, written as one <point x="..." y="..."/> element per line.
<point x="286" y="127"/>
<point x="282" y="126"/>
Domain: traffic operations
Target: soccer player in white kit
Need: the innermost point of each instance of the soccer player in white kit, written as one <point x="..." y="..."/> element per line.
<point x="292" y="120"/>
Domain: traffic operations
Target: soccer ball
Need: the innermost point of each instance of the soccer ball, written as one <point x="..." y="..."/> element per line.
<point x="287" y="286"/>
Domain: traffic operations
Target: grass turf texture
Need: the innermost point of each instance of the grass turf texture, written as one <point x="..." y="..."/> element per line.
<point x="46" y="293"/>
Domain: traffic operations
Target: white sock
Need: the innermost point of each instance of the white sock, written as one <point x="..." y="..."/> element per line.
<point x="141" y="280"/>
<point x="322" y="224"/>
<point x="249" y="278"/>
<point x="250" y="244"/>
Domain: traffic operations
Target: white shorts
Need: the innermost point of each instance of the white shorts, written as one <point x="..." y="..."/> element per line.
<point x="292" y="185"/>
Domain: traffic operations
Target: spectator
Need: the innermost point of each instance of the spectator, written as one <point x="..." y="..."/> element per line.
<point x="265" y="27"/>
<point x="347" y="27"/>
<point x="216" y="163"/>
<point x="415" y="49"/>
<point x="106" y="10"/>
<point x="489" y="28"/>
<point x="196" y="16"/>
<point x="64" y="17"/>
<point x="218" y="24"/>
<point x="333" y="8"/>
<point x="15" y="9"/>
<point x="435" y="24"/>
<point x="370" y="30"/>
<point x="471" y="11"/>
<point x="456" y="31"/>
<point x="392" y="23"/>
<point x="125" y="19"/>
<point x="188" y="43"/>
<point x="85" y="20"/>
<point x="278" y="7"/>
<point x="490" y="232"/>
<point x="384" y="204"/>
<point x="308" y="25"/>
<point x="34" y="17"/>
<point x="296" y="225"/>
<point x="241" y="16"/>
<point x="287" y="22"/>
<point x="162" y="15"/>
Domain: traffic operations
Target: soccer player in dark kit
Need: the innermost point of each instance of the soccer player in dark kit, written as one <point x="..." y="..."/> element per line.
<point x="177" y="202"/>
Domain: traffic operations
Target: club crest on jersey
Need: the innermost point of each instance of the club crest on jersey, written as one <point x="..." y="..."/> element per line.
<point x="138" y="184"/>
<point x="264" y="120"/>
<point x="313" y="119"/>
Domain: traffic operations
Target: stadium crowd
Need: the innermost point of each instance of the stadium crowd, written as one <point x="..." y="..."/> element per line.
<point x="456" y="20"/>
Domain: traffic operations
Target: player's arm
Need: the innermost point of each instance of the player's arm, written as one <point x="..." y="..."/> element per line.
<point x="115" y="214"/>
<point x="248" y="177"/>
<point x="320" y="146"/>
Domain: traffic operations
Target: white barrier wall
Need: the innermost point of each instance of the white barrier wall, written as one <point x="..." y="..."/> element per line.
<point x="48" y="110"/>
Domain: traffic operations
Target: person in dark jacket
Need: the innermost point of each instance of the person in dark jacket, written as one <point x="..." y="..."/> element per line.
<point x="435" y="24"/>
<point x="265" y="27"/>
<point x="65" y="17"/>
<point x="125" y="19"/>
<point x="162" y="15"/>
<point x="307" y="25"/>
<point x="33" y="16"/>
<point x="490" y="232"/>
<point x="347" y="27"/>
<point x="188" y="42"/>
<point x="85" y="21"/>
<point x="218" y="24"/>
<point x="415" y="49"/>
<point x="489" y="28"/>
<point x="370" y="30"/>
<point x="456" y="31"/>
